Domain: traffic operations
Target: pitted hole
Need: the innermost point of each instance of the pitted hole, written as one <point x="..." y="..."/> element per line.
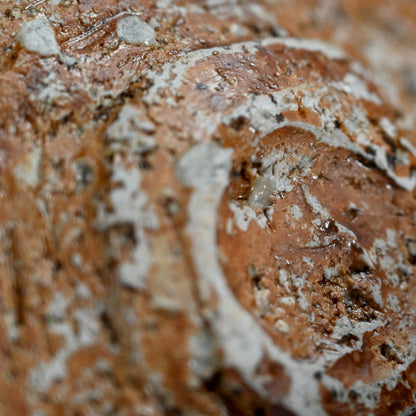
<point x="329" y="227"/>
<point x="358" y="263"/>
<point x="238" y="123"/>
<point x="280" y="118"/>
<point x="126" y="231"/>
<point x="359" y="302"/>
<point x="391" y="160"/>
<point x="411" y="250"/>
<point x="348" y="340"/>
<point x="352" y="212"/>
<point x="84" y="174"/>
<point x="388" y="351"/>
<point x="201" y="87"/>
<point x="255" y="276"/>
<point x="353" y="395"/>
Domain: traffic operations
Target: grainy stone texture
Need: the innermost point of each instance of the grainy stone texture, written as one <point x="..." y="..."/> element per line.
<point x="205" y="210"/>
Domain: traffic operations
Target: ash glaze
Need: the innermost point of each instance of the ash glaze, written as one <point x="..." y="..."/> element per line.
<point x="244" y="241"/>
<point x="282" y="166"/>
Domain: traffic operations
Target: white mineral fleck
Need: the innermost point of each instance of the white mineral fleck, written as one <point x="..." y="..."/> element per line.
<point x="353" y="85"/>
<point x="393" y="302"/>
<point x="331" y="272"/>
<point x="57" y="308"/>
<point x="388" y="127"/>
<point x="262" y="297"/>
<point x="131" y="206"/>
<point x="244" y="214"/>
<point x="29" y="170"/>
<point x="202" y="347"/>
<point x="238" y="30"/>
<point x="201" y="165"/>
<point x="282" y="326"/>
<point x="132" y="29"/>
<point x="294" y="214"/>
<point x="38" y="36"/>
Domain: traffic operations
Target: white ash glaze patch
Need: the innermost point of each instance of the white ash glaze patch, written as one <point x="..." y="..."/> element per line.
<point x="57" y="308"/>
<point x="294" y="216"/>
<point x="261" y="110"/>
<point x="370" y="392"/>
<point x="262" y="116"/>
<point x="28" y="172"/>
<point x="388" y="127"/>
<point x="172" y="75"/>
<point x="12" y="328"/>
<point x="51" y="90"/>
<point x="203" y="362"/>
<point x="385" y="253"/>
<point x="38" y="36"/>
<point x="345" y="326"/>
<point x="312" y="45"/>
<point x="209" y="183"/>
<point x="244" y="214"/>
<point x="132" y="29"/>
<point x="276" y="176"/>
<point x="205" y="168"/>
<point x="351" y="84"/>
<point x="231" y="8"/>
<point x="131" y="126"/>
<point x="393" y="303"/>
<point x="131" y="206"/>
<point x="247" y="344"/>
<point x="46" y="373"/>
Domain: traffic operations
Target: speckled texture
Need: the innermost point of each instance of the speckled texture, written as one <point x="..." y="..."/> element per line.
<point x="203" y="214"/>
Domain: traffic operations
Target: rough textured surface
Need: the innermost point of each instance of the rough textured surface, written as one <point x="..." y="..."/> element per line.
<point x="201" y="213"/>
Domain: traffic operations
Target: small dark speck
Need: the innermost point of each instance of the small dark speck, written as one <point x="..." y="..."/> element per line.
<point x="144" y="164"/>
<point x="391" y="160"/>
<point x="238" y="123"/>
<point x="235" y="173"/>
<point x="353" y="395"/>
<point x="279" y="118"/>
<point x="351" y="213"/>
<point x="201" y="87"/>
<point x="8" y="14"/>
<point x="318" y="375"/>
<point x="84" y="174"/>
<point x="370" y="150"/>
<point x="57" y="266"/>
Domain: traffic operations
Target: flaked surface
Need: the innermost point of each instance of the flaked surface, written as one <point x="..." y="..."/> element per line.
<point x="211" y="221"/>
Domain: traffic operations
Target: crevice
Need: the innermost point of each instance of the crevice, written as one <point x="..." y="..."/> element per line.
<point x="18" y="283"/>
<point x="390" y="353"/>
<point x="110" y="327"/>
